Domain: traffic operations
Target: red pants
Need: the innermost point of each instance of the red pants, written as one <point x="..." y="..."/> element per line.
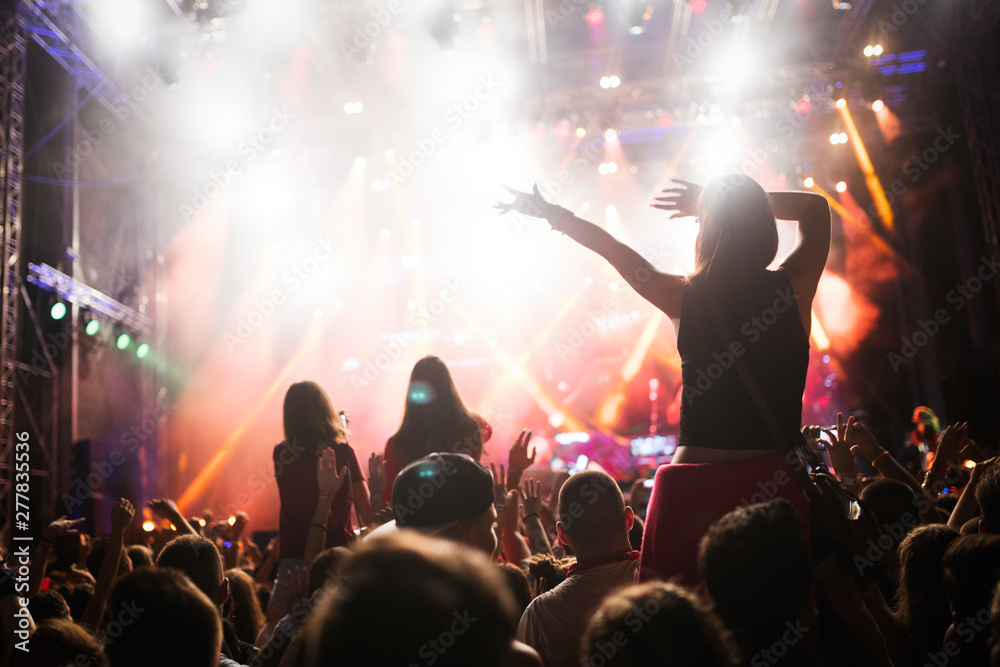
<point x="688" y="498"/>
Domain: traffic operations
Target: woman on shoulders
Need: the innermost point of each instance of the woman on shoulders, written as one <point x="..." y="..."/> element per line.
<point x="435" y="420"/>
<point x="743" y="337"/>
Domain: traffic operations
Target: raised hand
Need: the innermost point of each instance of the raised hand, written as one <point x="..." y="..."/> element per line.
<point x="519" y="457"/>
<point x="840" y="452"/>
<point x="529" y="204"/>
<point x="163" y="507"/>
<point x="953" y="441"/>
<point x="121" y="515"/>
<point x="499" y="485"/>
<point x="680" y="201"/>
<point x="376" y="474"/>
<point x="531" y="491"/>
<point x="862" y="442"/>
<point x="60" y="526"/>
<point x="327" y="475"/>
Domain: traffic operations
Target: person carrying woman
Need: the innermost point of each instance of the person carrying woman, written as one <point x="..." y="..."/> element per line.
<point x="743" y="338"/>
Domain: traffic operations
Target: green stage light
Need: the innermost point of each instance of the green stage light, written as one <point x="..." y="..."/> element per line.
<point x="123" y="341"/>
<point x="142" y="350"/>
<point x="93" y="326"/>
<point x="58" y="310"/>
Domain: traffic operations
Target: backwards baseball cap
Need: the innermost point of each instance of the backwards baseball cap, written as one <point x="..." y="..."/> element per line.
<point x="440" y="489"/>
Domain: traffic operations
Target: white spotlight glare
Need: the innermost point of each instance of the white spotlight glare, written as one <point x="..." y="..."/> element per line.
<point x="878" y="105"/>
<point x="610" y="135"/>
<point x="841" y="186"/>
<point x="877" y="50"/>
<point x="869" y="51"/>
<point x="834" y="138"/>
<point x="808" y="182"/>
<point x="614" y="81"/>
<point x="843" y="137"/>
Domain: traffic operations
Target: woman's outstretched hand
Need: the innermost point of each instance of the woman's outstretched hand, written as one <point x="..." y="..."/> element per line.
<point x="529" y="204"/>
<point x="681" y="201"/>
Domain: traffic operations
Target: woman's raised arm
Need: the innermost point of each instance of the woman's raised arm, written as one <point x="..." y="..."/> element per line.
<point x="663" y="290"/>
<point x="806" y="262"/>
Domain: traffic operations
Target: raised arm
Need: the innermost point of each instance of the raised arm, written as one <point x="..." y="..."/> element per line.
<point x="807" y="260"/>
<point x="663" y="290"/>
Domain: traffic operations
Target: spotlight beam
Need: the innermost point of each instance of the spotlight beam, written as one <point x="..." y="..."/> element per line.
<point x="871" y="180"/>
<point x="197" y="487"/>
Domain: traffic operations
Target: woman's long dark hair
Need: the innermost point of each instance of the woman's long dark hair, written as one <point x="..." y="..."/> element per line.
<point x="738" y="235"/>
<point x="246" y="616"/>
<point x="435" y="419"/>
<point x="310" y="418"/>
<point x="921" y="602"/>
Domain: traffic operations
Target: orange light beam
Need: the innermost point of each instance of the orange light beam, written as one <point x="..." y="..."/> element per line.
<point x="197" y="487"/>
<point x="819" y="334"/>
<point x="610" y="408"/>
<point x="871" y="180"/>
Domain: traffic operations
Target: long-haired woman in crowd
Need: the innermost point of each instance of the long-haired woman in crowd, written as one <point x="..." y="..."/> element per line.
<point x="311" y="425"/>
<point x="435" y="420"/>
<point x="743" y="338"/>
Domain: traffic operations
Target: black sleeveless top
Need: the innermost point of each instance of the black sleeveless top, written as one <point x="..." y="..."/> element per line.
<point x="756" y="322"/>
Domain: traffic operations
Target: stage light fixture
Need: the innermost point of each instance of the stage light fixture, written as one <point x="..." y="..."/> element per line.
<point x="843" y="137"/>
<point x="595" y="17"/>
<point x="610" y="135"/>
<point x="808" y="182"/>
<point x="580" y="133"/>
<point x="877" y="50"/>
<point x="142" y="350"/>
<point x="93" y="326"/>
<point x="665" y="119"/>
<point x="834" y="138"/>
<point x="58" y="310"/>
<point x="123" y="341"/>
<point x="869" y="51"/>
<point x="841" y="103"/>
<point x="841" y="186"/>
<point x="148" y="526"/>
<point x="878" y="105"/>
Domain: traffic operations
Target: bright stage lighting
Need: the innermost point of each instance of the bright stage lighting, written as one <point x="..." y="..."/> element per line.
<point x="803" y="105"/>
<point x="610" y="81"/>
<point x="809" y="182"/>
<point x="58" y="310"/>
<point x="841" y="103"/>
<point x="841" y="186"/>
<point x="595" y="17"/>
<point x="877" y="50"/>
<point x="93" y="326"/>
<point x="610" y="135"/>
<point x="142" y="351"/>
<point x="148" y="526"/>
<point x="562" y="129"/>
<point x="606" y="168"/>
<point x="664" y="120"/>
<point x="843" y="137"/>
<point x="878" y="105"/>
<point x="869" y="51"/>
<point x="359" y="161"/>
<point x="580" y="133"/>
<point x="123" y="341"/>
<point x="697" y="6"/>
<point x="352" y="108"/>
